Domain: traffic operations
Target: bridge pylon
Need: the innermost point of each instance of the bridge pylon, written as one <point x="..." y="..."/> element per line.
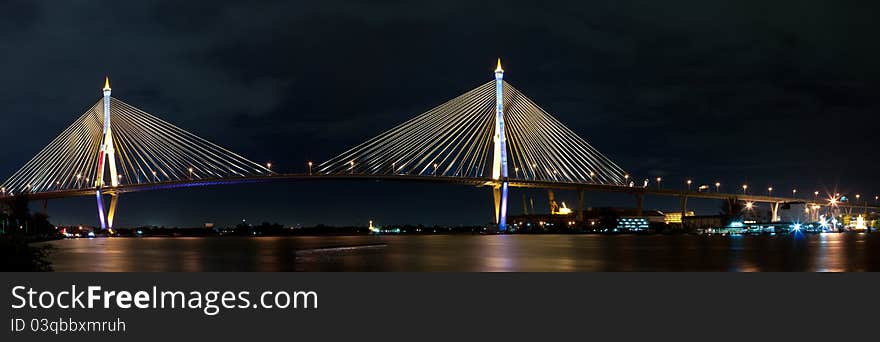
<point x="106" y="159"/>
<point x="499" y="160"/>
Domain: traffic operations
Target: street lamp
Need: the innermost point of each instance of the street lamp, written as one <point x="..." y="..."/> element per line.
<point x="310" y="168"/>
<point x="435" y="169"/>
<point x="592" y="174"/>
<point x="770" y="191"/>
<point x="689" y="184"/>
<point x="659" y="179"/>
<point x="793" y="192"/>
<point x="717" y="186"/>
<point x="816" y="193"/>
<point x="269" y="165"/>
<point x="745" y="187"/>
<point x="351" y="167"/>
<point x="190" y="173"/>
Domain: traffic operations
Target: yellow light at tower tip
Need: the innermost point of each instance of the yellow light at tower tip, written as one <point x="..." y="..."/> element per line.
<point x="106" y="83"/>
<point x="498" y="68"/>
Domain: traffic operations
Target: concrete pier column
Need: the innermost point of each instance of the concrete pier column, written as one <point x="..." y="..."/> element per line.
<point x="640" y="200"/>
<point x="684" y="203"/>
<point x="580" y="208"/>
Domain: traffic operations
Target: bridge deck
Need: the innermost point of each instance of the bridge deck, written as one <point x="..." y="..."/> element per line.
<point x="479" y="182"/>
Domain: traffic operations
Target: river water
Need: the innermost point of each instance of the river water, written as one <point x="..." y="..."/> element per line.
<point x="565" y="253"/>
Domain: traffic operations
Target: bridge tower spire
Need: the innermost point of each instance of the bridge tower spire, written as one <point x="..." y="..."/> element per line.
<point x="499" y="160"/>
<point x="106" y="159"/>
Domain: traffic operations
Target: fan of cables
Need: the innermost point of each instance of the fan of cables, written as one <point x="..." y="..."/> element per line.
<point x="455" y="139"/>
<point x="148" y="150"/>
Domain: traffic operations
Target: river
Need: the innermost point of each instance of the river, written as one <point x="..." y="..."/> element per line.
<point x="557" y="253"/>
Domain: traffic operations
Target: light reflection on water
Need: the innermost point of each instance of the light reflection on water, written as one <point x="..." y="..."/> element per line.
<point x="564" y="253"/>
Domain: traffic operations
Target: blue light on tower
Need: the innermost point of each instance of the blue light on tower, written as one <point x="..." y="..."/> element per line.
<point x="101" y="209"/>
<point x="107" y="91"/>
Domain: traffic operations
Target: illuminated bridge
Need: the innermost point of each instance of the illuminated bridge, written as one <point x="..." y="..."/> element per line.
<point x="492" y="136"/>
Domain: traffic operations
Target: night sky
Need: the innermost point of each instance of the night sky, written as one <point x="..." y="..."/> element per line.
<point x="780" y="93"/>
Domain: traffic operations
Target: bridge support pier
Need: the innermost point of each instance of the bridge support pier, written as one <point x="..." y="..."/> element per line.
<point x="684" y="201"/>
<point x="500" y="195"/>
<point x="100" y="199"/>
<point x="114" y="200"/>
<point x="580" y="208"/>
<point x="106" y="222"/>
<point x="640" y="200"/>
<point x="774" y="212"/>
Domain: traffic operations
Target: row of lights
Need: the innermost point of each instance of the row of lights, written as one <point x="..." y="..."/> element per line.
<point x="659" y="180"/>
<point x="191" y="171"/>
<point x="745" y="188"/>
<point x="436" y="168"/>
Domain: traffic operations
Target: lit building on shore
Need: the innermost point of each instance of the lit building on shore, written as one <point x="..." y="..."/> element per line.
<point x="598" y="219"/>
<point x="675" y="216"/>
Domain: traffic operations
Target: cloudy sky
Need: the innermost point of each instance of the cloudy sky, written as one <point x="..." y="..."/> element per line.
<point x="780" y="93"/>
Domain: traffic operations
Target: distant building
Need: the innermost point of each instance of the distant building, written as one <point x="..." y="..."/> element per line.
<point x="622" y="218"/>
<point x="703" y="221"/>
<point x="798" y="212"/>
<point x="653" y="216"/>
<point x="758" y="213"/>
<point x="633" y="224"/>
<point x="542" y="221"/>
<point x="675" y="217"/>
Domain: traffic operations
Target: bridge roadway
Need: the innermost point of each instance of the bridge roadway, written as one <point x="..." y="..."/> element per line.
<point x="478" y="182"/>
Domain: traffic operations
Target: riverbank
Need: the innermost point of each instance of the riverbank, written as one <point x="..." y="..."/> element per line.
<point x="22" y="253"/>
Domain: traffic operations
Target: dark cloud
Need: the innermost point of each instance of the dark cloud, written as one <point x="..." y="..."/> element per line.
<point x="780" y="93"/>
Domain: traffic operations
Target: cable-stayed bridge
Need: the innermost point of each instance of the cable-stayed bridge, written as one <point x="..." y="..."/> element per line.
<point x="492" y="136"/>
